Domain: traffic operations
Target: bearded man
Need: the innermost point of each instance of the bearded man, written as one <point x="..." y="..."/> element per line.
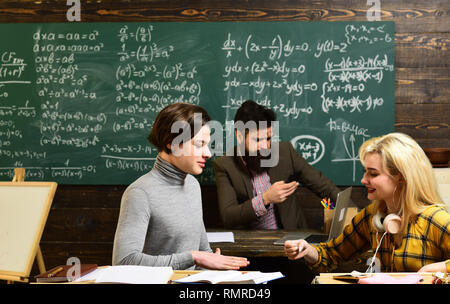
<point x="257" y="182"/>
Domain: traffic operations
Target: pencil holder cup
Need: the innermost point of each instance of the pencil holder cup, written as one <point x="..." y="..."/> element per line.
<point x="327" y="219"/>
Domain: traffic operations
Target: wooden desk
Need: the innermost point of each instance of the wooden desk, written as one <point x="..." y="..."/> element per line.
<point x="179" y="274"/>
<point x="254" y="243"/>
<point x="257" y="245"/>
<point x="327" y="278"/>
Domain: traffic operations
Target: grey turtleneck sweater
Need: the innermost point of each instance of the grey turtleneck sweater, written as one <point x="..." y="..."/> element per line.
<point x="160" y="220"/>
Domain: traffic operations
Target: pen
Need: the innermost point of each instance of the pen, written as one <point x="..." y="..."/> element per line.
<point x="54" y="272"/>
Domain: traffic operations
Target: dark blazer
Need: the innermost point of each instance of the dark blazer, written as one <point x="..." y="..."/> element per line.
<point x="235" y="190"/>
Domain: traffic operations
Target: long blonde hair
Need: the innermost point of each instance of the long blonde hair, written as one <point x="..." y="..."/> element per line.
<point x="402" y="156"/>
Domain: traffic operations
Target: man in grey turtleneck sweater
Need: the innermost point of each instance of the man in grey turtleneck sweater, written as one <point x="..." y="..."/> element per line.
<point x="161" y="220"/>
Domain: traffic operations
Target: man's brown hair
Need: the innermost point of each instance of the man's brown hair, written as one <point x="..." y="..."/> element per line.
<point x="162" y="135"/>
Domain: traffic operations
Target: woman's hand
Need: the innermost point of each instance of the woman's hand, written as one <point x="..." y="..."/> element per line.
<point x="215" y="260"/>
<point x="434" y="267"/>
<point x="298" y="249"/>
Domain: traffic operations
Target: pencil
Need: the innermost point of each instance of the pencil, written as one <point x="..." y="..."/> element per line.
<point x="54" y="272"/>
<point x="325" y="206"/>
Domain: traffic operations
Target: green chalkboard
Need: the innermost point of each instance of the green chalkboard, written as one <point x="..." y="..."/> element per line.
<point x="77" y="100"/>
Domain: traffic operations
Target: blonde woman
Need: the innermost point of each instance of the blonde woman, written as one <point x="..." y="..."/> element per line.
<point x="406" y="225"/>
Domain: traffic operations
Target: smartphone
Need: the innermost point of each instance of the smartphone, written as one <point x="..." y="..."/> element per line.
<point x="293" y="177"/>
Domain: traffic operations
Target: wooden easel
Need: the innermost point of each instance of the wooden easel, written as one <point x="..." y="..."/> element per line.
<point x="19" y="176"/>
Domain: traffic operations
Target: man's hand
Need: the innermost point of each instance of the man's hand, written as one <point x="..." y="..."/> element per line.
<point x="279" y="191"/>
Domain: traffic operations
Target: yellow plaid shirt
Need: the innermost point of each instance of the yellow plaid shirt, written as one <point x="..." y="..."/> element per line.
<point x="427" y="241"/>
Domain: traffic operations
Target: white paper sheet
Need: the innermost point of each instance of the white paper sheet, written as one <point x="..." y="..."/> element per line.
<point x="91" y="276"/>
<point x="220" y="237"/>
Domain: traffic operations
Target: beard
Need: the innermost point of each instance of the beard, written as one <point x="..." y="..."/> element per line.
<point x="253" y="162"/>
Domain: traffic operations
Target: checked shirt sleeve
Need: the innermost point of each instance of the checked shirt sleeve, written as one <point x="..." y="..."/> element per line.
<point x="258" y="205"/>
<point x="354" y="241"/>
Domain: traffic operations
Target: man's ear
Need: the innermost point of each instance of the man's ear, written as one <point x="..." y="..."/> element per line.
<point x="239" y="136"/>
<point x="175" y="150"/>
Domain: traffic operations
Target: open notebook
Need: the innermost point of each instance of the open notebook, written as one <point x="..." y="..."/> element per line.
<point x="231" y="277"/>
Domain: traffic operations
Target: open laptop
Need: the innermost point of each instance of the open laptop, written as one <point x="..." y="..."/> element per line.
<point x="343" y="202"/>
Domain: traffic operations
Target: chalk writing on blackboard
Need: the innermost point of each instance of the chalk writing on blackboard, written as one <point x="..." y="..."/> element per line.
<point x="351" y="154"/>
<point x="311" y="148"/>
<point x="77" y="101"/>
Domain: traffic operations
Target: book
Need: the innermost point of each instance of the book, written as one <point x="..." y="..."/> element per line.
<point x="230" y="277"/>
<point x="132" y="274"/>
<point x="59" y="273"/>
